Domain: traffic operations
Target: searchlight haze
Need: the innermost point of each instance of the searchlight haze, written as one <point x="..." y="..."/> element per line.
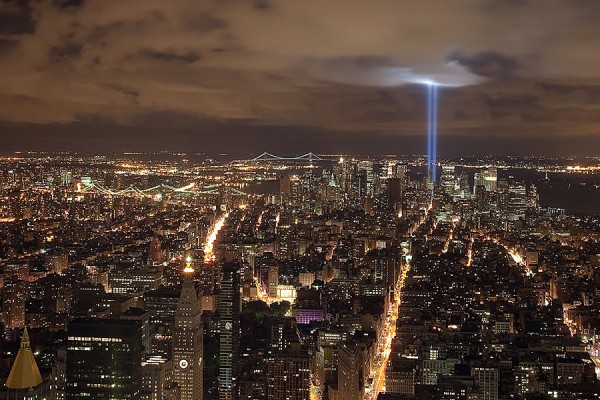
<point x="370" y="71"/>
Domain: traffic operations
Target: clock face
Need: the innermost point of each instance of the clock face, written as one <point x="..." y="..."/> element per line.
<point x="228" y="325"/>
<point x="183" y="364"/>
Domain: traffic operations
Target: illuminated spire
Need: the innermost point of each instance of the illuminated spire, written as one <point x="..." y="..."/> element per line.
<point x="24" y="373"/>
<point x="188" y="266"/>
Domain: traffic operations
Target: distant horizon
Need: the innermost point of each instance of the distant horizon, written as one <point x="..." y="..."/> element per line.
<point x="242" y="139"/>
<point x="328" y="156"/>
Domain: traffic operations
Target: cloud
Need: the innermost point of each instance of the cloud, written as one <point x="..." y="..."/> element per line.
<point x="486" y="63"/>
<point x="342" y="64"/>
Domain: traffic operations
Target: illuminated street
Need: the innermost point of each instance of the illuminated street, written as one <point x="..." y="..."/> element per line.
<point x="384" y="344"/>
<point x="212" y="237"/>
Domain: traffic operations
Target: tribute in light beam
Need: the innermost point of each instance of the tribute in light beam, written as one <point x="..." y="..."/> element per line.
<point x="435" y="131"/>
<point x="429" y="141"/>
<point x="432" y="116"/>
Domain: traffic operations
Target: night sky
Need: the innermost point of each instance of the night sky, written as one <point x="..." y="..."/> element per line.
<point x="517" y="76"/>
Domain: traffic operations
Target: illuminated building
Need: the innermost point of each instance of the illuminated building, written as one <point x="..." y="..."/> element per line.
<point x="229" y="304"/>
<point x="288" y="375"/>
<point x="143" y="316"/>
<point x="157" y="379"/>
<point x="448" y="179"/>
<point x="135" y="280"/>
<point x="288" y="363"/>
<point x="306" y="278"/>
<point x="286" y="292"/>
<point x="285" y="188"/>
<point x="57" y="263"/>
<point x="395" y="194"/>
<point x="188" y="360"/>
<point x="15" y="294"/>
<point x="517" y="200"/>
<point x="400" y="377"/>
<point x="307" y="315"/>
<point x="155" y="253"/>
<point x="161" y="304"/>
<point x="24" y="375"/>
<point x="490" y="179"/>
<point x="97" y="276"/>
<point x="350" y="377"/>
<point x="104" y="358"/>
<point x="481" y="197"/>
<point x="487" y="380"/>
<point x="273" y="281"/>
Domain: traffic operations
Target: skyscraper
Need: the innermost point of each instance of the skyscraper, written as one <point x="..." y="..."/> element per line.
<point x="395" y="194"/>
<point x="490" y="179"/>
<point x="229" y="328"/>
<point x="288" y="362"/>
<point x="187" y="340"/>
<point x="104" y="359"/>
<point x="448" y="178"/>
<point x="350" y="379"/>
<point x="285" y="187"/>
<point x="288" y="375"/>
<point x="273" y="279"/>
<point x="13" y="302"/>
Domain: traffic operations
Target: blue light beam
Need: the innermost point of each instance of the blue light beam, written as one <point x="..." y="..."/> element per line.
<point x="432" y="123"/>
<point x="435" y="131"/>
<point x="429" y="131"/>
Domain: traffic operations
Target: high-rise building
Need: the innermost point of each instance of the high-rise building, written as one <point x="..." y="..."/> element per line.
<point x="490" y="179"/>
<point x="487" y="380"/>
<point x="162" y="305"/>
<point x="13" y="303"/>
<point x="534" y="198"/>
<point x="395" y="193"/>
<point x="104" y="358"/>
<point x="517" y="200"/>
<point x="273" y="279"/>
<point x="157" y="379"/>
<point x="288" y="375"/>
<point x="350" y="379"/>
<point x="187" y="340"/>
<point x="288" y="363"/>
<point x="135" y="280"/>
<point x="229" y="307"/>
<point x="285" y="187"/>
<point x="448" y="179"/>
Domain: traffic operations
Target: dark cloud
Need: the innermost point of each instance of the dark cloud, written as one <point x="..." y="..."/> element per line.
<point x="167" y="56"/>
<point x="65" y="51"/>
<point x="8" y="44"/>
<point x="16" y="18"/>
<point x="68" y="3"/>
<point x="130" y="93"/>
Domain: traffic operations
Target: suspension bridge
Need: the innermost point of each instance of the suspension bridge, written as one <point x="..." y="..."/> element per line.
<point x="272" y="157"/>
<point x="159" y="190"/>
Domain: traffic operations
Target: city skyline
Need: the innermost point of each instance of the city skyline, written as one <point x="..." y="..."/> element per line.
<point x="299" y="200"/>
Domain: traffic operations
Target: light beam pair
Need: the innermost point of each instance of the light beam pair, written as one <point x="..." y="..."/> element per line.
<point x="432" y="117"/>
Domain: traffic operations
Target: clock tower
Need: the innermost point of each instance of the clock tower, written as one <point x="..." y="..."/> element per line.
<point x="188" y="363"/>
